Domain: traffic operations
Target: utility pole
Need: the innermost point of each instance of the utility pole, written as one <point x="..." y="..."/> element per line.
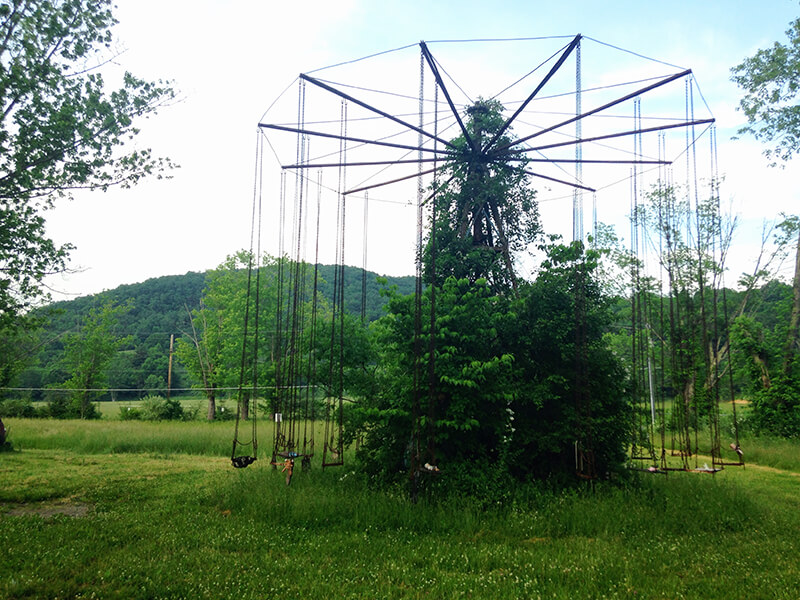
<point x="169" y="369"/>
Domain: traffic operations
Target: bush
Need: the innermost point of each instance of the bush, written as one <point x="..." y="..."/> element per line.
<point x="741" y="426"/>
<point x="64" y="407"/>
<point x="20" y="408"/>
<point x="58" y="407"/>
<point x="156" y="408"/>
<point x="224" y="413"/>
<point x="191" y="413"/>
<point x="508" y="405"/>
<point x="129" y="413"/>
<point x="776" y="410"/>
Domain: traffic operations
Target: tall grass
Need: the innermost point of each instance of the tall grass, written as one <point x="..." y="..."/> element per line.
<point x="215" y="439"/>
<point x="161" y="437"/>
<point x="780" y="453"/>
<point x="110" y="437"/>
<point x="648" y="506"/>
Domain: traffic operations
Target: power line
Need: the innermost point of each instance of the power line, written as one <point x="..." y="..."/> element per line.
<point x="157" y="389"/>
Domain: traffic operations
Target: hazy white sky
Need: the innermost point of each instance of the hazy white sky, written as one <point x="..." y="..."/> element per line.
<point x="230" y="60"/>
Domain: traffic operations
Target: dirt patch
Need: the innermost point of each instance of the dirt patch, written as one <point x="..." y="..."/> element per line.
<point x="740" y="402"/>
<point x="51" y="508"/>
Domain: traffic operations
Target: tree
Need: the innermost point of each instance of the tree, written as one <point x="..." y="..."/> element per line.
<point x="88" y="353"/>
<point x="19" y="348"/>
<point x="791" y="229"/>
<point x="212" y="351"/>
<point x="771" y="82"/>
<point x="60" y="131"/>
<point x="199" y="352"/>
<point x="466" y="421"/>
<point x="504" y="403"/>
<point x="557" y="333"/>
<point x="487" y="211"/>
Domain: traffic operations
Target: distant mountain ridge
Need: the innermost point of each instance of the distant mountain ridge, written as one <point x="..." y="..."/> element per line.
<point x="158" y="310"/>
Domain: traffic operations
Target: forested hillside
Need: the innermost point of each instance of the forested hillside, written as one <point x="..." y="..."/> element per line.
<point x="158" y="309"/>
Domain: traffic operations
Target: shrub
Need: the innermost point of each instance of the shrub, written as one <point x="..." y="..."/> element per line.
<point x="156" y="408"/>
<point x="224" y="413"/>
<point x="776" y="410"/>
<point x="508" y="404"/>
<point x="742" y="425"/>
<point x="58" y="407"/>
<point x="64" y="407"/>
<point x="191" y="413"/>
<point x="20" y="408"/>
<point x="129" y="413"/>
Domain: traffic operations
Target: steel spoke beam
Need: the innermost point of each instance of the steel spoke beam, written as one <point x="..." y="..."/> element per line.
<point x="368" y="163"/>
<point x="435" y="70"/>
<point x="379" y="163"/>
<point x="592" y="161"/>
<point x="616" y="135"/>
<point x="350" y="98"/>
<point x="351" y="139"/>
<point x="638" y="92"/>
<point x="569" y="183"/>
<point x="399" y="179"/>
<point x="539" y="87"/>
<point x="437" y="190"/>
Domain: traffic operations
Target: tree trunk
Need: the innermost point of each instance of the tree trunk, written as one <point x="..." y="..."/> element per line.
<point x="789" y="348"/>
<point x="212" y="403"/>
<point x="84" y="404"/>
<point x="244" y="413"/>
<point x="761" y="363"/>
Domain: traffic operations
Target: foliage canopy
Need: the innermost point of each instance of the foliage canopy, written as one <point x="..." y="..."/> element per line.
<point x="771" y="82"/>
<point x="60" y="130"/>
<point x="486" y="210"/>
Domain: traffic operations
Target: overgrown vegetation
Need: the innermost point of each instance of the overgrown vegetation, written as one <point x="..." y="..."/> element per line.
<point x="488" y="379"/>
<point x="504" y="405"/>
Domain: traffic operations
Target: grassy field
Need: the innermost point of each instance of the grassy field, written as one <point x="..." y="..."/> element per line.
<point x="116" y="509"/>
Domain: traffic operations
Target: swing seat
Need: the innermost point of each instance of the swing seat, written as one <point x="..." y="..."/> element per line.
<point x="290" y="454"/>
<point x="705" y="469"/>
<point x="240" y="462"/>
<point x="428" y="468"/>
<point x="650" y="469"/>
<point x="642" y="457"/>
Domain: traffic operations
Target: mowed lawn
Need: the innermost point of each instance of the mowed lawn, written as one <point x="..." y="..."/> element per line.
<point x="154" y="510"/>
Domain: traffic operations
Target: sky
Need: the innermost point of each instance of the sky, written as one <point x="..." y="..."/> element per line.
<point x="230" y="61"/>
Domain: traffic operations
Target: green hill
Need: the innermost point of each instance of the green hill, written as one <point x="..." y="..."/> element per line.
<point x="159" y="309"/>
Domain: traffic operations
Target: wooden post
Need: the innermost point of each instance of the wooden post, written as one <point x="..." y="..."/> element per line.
<point x="169" y="369"/>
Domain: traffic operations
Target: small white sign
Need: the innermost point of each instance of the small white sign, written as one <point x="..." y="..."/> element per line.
<point x="278" y="417"/>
